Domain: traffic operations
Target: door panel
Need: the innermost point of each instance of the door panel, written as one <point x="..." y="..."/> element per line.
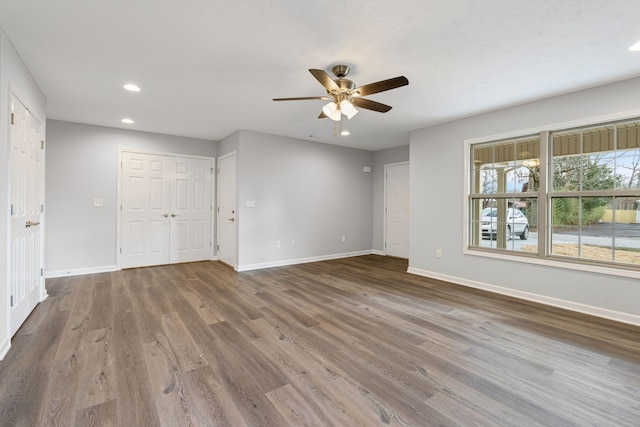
<point x="227" y="210"/>
<point x="166" y="209"/>
<point x="145" y="202"/>
<point x="191" y="205"/>
<point x="27" y="187"/>
<point x="397" y="208"/>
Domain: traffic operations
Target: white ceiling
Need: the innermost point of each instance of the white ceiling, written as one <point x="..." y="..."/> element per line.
<point x="208" y="68"/>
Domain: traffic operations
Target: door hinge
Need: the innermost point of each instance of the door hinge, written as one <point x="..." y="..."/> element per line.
<point x="218" y="171"/>
<point x="120" y="250"/>
<point x="211" y="170"/>
<point x="12" y="210"/>
<point x="11" y="303"/>
<point x="41" y="208"/>
<point x="41" y="272"/>
<point x="42" y="145"/>
<point x="210" y="244"/>
<point x="12" y="123"/>
<point x="217" y="248"/>
<point x="218" y="209"/>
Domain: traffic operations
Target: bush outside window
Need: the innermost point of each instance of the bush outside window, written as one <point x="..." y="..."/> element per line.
<point x="595" y="193"/>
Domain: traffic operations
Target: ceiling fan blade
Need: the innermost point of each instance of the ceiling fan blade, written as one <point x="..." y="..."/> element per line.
<point x="380" y="86"/>
<point x="325" y="80"/>
<point x="322" y="115"/>
<point x="368" y="104"/>
<point x="305" y="98"/>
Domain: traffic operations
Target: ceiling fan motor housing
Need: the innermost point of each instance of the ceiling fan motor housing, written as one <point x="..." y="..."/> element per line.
<point x="340" y="71"/>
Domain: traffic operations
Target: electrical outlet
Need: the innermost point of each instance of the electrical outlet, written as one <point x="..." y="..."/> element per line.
<point x="278" y="244"/>
<point x="344" y="239"/>
<point x="438" y="253"/>
<point x="293" y="243"/>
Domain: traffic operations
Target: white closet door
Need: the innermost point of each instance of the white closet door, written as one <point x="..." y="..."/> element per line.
<point x="166" y="209"/>
<point x="27" y="186"/>
<point x="191" y="209"/>
<point x="146" y="204"/>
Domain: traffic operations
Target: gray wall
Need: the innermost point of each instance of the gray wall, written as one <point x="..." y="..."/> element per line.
<point x="304" y="191"/>
<point x="437" y="215"/>
<point x="13" y="74"/>
<point x="381" y="158"/>
<point x="82" y="164"/>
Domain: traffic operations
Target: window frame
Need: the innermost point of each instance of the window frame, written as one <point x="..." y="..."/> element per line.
<point x="544" y="194"/>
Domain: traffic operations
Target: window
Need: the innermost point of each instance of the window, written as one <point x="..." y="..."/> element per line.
<point x="504" y="200"/>
<point x="595" y="192"/>
<point x="579" y="201"/>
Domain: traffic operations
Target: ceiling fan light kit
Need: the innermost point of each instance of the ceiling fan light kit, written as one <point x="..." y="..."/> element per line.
<point x="344" y="96"/>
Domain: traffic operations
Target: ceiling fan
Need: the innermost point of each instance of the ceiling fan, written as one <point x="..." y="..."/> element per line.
<point x="344" y="96"/>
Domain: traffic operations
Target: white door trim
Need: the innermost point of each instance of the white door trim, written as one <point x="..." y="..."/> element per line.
<point x="386" y="167"/>
<point x="119" y="194"/>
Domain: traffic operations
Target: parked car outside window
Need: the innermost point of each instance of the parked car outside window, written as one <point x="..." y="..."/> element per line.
<point x="517" y="223"/>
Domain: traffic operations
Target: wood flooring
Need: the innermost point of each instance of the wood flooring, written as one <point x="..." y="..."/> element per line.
<point x="351" y="342"/>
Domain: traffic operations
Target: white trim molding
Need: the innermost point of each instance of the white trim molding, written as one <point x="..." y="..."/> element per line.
<point x="604" y="313"/>
<point x="282" y="263"/>
<point x="81" y="271"/>
<point x="4" y="348"/>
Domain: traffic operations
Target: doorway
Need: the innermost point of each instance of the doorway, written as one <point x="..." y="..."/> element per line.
<point x="166" y="209"/>
<point x="397" y="209"/>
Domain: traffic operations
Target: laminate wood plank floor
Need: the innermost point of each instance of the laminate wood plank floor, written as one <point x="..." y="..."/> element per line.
<point x="350" y="342"/>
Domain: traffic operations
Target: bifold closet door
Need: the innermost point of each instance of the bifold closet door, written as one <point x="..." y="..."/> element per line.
<point x="166" y="209"/>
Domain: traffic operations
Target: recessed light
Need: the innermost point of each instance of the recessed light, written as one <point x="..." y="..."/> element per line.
<point x="635" y="47"/>
<point x="132" y="87"/>
<point x="345" y="133"/>
<point x="127" y="121"/>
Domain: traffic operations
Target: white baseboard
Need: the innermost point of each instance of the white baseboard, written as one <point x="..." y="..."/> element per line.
<point x="554" y="302"/>
<point x="285" y="262"/>
<point x="4" y="348"/>
<point x="80" y="271"/>
<point x="377" y="252"/>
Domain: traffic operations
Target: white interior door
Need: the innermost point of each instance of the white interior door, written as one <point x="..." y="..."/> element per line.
<point x="27" y="188"/>
<point x="146" y="206"/>
<point x="190" y="209"/>
<point x="397" y="209"/>
<point x="166" y="209"/>
<point x="227" y="209"/>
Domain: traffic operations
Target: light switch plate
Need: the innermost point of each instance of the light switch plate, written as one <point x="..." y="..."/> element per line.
<point x="98" y="203"/>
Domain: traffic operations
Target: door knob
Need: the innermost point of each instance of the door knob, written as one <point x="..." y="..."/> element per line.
<point x="232" y="219"/>
<point x="31" y="224"/>
<point x="173" y="215"/>
<point x="166" y="215"/>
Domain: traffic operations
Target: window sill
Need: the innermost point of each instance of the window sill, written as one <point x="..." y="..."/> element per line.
<point x="621" y="271"/>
